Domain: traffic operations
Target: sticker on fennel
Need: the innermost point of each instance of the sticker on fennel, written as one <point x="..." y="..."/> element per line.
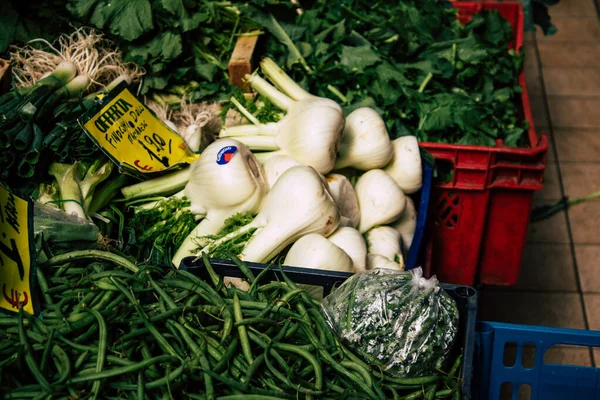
<point x="225" y="154"/>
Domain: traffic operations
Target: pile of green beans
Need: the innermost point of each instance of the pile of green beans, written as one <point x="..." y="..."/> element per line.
<point x="110" y="329"/>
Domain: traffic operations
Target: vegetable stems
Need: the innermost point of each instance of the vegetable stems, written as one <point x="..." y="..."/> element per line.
<point x="282" y="81"/>
<point x="269" y="91"/>
<point x="425" y="82"/>
<point x="546" y="211"/>
<point x="166" y="184"/>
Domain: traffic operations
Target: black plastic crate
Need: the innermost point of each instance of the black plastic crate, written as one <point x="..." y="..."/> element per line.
<point x="464" y="296"/>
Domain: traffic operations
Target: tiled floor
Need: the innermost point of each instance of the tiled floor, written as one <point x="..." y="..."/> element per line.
<point x="559" y="283"/>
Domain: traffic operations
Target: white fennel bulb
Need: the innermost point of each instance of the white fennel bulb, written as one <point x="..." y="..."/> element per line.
<point x="385" y="241"/>
<point x="276" y="166"/>
<point x="380" y="200"/>
<point x="310" y="132"/>
<point x="365" y="142"/>
<point x="378" y="261"/>
<point x="315" y="251"/>
<point x="353" y="243"/>
<point x="405" y="167"/>
<point x="344" y="195"/>
<point x="297" y="205"/>
<point x="407" y="224"/>
<point x="225" y="180"/>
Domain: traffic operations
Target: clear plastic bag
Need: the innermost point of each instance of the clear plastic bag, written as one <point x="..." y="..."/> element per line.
<point x="396" y="321"/>
<point x="56" y="226"/>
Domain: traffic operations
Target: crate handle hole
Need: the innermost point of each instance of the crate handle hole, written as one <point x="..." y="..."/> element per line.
<point x="509" y="358"/>
<point x="465" y="291"/>
<point x="524" y="391"/>
<point x="569" y="355"/>
<point x="528" y="358"/>
<point x="506" y="391"/>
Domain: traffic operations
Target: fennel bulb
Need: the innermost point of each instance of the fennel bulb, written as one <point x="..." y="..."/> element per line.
<point x="225" y="180"/>
<point x="380" y="199"/>
<point x="276" y="166"/>
<point x="344" y="195"/>
<point x="315" y="251"/>
<point x="385" y="241"/>
<point x="310" y="132"/>
<point x="405" y="167"/>
<point x="378" y="261"/>
<point x="407" y="224"/>
<point x="365" y="142"/>
<point x="353" y="243"/>
<point x="297" y="205"/>
<point x="68" y="177"/>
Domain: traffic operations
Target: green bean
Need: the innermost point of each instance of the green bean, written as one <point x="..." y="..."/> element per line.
<point x="253" y="305"/>
<point x="445" y="393"/>
<point x="415" y="395"/>
<point x="249" y="390"/>
<point x="201" y="284"/>
<point x="107" y="274"/>
<point x="29" y="359"/>
<point x="153" y="331"/>
<point x="258" y="361"/>
<point x="146" y="354"/>
<point x="249" y="397"/>
<point x="362" y="372"/>
<point x="140" y="387"/>
<point x="257" y="321"/>
<point x="254" y="283"/>
<point x="57" y="289"/>
<point x="4" y="322"/>
<point x="81" y="377"/>
<point x="91" y="331"/>
<point x="43" y="283"/>
<point x="62" y="363"/>
<point x="216" y="280"/>
<point x="170" y="376"/>
<point x="229" y="352"/>
<point x="240" y="264"/>
<point x="102" y="343"/>
<point x="407" y="381"/>
<point x="308" y="357"/>
<point x="430" y="393"/>
<point x="9" y="360"/>
<point x="46" y="353"/>
<point x="162" y="293"/>
<point x="243" y="334"/>
<point x="227" y="324"/>
<point x="23" y="395"/>
<point x="81" y="359"/>
<point x="132" y="334"/>
<point x="93" y="254"/>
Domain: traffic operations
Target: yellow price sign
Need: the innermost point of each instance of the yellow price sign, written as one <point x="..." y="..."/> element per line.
<point x="134" y="137"/>
<point x="15" y="252"/>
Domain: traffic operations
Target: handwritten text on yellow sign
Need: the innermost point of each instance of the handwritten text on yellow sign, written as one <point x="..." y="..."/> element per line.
<point x="135" y="137"/>
<point x="15" y="257"/>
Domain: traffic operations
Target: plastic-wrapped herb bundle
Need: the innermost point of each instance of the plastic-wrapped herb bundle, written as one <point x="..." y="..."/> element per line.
<point x="397" y="321"/>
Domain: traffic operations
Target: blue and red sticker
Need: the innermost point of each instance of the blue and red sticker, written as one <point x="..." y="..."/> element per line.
<point x="225" y="154"/>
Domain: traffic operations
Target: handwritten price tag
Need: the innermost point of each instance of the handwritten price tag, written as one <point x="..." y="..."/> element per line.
<point x="15" y="252"/>
<point x="134" y="137"/>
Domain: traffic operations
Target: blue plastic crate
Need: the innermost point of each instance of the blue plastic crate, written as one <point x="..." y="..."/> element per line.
<point x="547" y="381"/>
<point x="464" y="296"/>
<point x="415" y="254"/>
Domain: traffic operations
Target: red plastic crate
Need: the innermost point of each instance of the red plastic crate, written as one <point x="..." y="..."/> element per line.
<point x="478" y="221"/>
